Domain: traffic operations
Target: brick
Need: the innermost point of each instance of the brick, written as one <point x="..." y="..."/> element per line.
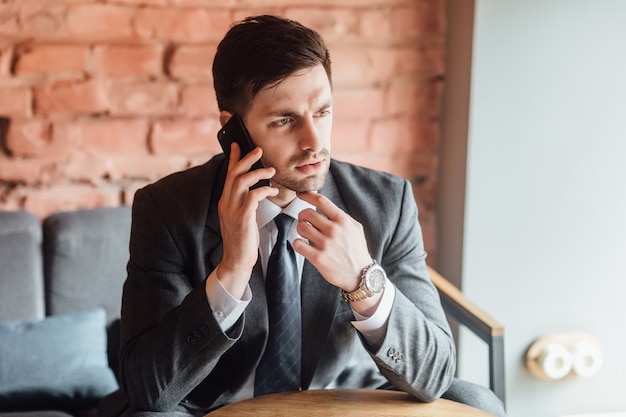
<point x="147" y="168"/>
<point x="71" y="97"/>
<point x="356" y="4"/>
<point x="143" y="2"/>
<point x="18" y="170"/>
<point x="432" y="18"/>
<point x="199" y="159"/>
<point x="66" y="140"/>
<point x="376" y="25"/>
<point x="410" y="95"/>
<point x="15" y="101"/>
<point x="143" y="98"/>
<point x="182" y="24"/>
<point x="95" y="21"/>
<point x="424" y="167"/>
<point x="9" y="201"/>
<point x="383" y="163"/>
<point x="9" y="19"/>
<point x="172" y="137"/>
<point x="83" y="167"/>
<point x="427" y="193"/>
<point x="129" y="60"/>
<point x="391" y="135"/>
<point x="359" y="103"/>
<point x="257" y="9"/>
<point x="105" y="136"/>
<point x="403" y="24"/>
<point x="350" y="135"/>
<point x="409" y="22"/>
<point x="333" y="24"/>
<point x="29" y="137"/>
<point x="69" y="197"/>
<point x="6" y="57"/>
<point x="352" y="68"/>
<point x="188" y="3"/>
<point x="43" y="20"/>
<point x="193" y="62"/>
<point x="404" y="134"/>
<point x="199" y="100"/>
<point x="51" y="59"/>
<point x="429" y="60"/>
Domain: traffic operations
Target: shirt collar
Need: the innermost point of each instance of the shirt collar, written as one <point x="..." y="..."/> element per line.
<point x="267" y="210"/>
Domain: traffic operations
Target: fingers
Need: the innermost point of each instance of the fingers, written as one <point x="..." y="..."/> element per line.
<point x="323" y="204"/>
<point x="239" y="175"/>
<point x="332" y="241"/>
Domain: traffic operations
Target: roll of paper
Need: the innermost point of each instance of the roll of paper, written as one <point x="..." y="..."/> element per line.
<point x="555" y="361"/>
<point x="587" y="359"/>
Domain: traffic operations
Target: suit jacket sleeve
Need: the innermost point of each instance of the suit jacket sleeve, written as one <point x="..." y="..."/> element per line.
<point x="170" y="340"/>
<point x="417" y="354"/>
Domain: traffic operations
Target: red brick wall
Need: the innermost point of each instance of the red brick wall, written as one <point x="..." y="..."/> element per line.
<point x="102" y="97"/>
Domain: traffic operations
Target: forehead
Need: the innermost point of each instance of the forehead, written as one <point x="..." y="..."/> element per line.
<point x="301" y="90"/>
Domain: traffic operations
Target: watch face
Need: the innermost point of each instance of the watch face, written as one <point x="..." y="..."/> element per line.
<point x="375" y="279"/>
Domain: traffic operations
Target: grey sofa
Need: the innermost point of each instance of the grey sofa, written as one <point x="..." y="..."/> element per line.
<point x="60" y="295"/>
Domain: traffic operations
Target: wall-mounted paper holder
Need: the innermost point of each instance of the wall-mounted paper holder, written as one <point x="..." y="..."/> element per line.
<point x="564" y="355"/>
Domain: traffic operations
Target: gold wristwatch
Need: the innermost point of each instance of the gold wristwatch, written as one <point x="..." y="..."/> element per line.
<point x="373" y="280"/>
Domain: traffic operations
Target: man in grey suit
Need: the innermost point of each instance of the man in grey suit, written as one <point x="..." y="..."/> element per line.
<point x="195" y="320"/>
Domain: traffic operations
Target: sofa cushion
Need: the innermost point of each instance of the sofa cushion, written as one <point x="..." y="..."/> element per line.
<point x="57" y="363"/>
<point x="21" y="271"/>
<point x="85" y="264"/>
<point x="85" y="255"/>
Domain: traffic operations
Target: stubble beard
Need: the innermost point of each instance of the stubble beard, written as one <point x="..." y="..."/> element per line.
<point x="293" y="182"/>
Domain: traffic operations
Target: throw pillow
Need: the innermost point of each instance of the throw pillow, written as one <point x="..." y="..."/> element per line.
<point x="58" y="362"/>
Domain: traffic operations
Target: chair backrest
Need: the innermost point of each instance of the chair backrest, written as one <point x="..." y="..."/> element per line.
<point x="21" y="274"/>
<point x="85" y="256"/>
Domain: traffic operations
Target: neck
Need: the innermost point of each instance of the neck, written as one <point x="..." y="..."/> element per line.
<point x="284" y="196"/>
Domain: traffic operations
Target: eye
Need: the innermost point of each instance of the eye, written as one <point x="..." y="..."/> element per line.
<point x="324" y="113"/>
<point x="282" y="122"/>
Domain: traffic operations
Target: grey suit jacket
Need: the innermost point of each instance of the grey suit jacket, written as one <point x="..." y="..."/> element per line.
<point x="174" y="354"/>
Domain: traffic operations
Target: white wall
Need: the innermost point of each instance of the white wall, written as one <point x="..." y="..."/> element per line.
<point x="544" y="247"/>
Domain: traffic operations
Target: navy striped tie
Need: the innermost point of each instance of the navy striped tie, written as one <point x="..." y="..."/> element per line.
<point x="279" y="369"/>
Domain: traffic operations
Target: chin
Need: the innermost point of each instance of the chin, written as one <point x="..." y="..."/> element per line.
<point x="302" y="186"/>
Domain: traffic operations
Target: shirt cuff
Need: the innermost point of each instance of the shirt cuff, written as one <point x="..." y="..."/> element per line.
<point x="226" y="308"/>
<point x="374" y="328"/>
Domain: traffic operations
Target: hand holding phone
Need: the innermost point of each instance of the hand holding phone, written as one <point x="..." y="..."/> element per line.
<point x="235" y="131"/>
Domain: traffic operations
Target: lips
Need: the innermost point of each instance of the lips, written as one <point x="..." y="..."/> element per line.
<point x="309" y="167"/>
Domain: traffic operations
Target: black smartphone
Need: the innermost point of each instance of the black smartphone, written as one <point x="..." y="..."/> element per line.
<point x="235" y="131"/>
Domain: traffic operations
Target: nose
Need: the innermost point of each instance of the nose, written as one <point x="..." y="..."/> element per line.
<point x="310" y="136"/>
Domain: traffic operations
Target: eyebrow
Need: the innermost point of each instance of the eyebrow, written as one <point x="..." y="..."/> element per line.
<point x="289" y="113"/>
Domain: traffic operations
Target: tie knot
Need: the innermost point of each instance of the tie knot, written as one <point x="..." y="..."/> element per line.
<point x="283" y="223"/>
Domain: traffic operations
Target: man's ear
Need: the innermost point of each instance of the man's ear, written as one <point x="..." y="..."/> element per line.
<point x="225" y="116"/>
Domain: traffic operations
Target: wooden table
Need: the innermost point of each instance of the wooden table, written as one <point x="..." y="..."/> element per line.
<point x="344" y="403"/>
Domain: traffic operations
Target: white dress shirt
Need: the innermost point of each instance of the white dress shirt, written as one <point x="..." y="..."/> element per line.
<point x="227" y="309"/>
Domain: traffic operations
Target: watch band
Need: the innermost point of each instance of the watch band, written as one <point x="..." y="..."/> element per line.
<point x="362" y="292"/>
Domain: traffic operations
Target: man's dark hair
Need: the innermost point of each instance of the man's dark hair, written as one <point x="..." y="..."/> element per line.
<point x="261" y="51"/>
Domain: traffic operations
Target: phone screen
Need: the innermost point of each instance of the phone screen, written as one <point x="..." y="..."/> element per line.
<point x="235" y="131"/>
